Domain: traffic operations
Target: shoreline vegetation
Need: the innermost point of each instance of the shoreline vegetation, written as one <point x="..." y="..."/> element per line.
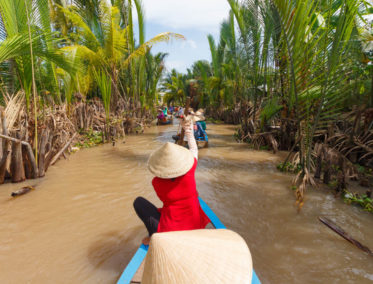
<point x="58" y="133"/>
<point x="294" y="76"/>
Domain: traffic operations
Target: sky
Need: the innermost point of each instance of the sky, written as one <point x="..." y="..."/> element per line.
<point x="194" y="19"/>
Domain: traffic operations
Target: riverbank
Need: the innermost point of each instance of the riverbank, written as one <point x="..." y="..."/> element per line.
<point x="30" y="144"/>
<point x="79" y="225"/>
<point x="339" y="155"/>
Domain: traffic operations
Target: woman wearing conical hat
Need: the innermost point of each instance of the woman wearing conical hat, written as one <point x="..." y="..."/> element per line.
<point x="174" y="183"/>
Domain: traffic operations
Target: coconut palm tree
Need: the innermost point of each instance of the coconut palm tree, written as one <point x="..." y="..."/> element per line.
<point x="15" y="46"/>
<point x="105" y="44"/>
<point x="154" y="69"/>
<point x="175" y="87"/>
<point x="298" y="61"/>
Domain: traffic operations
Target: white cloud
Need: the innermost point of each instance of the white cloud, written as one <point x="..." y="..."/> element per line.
<point x="192" y="18"/>
<point x="204" y="15"/>
<point x="189" y="43"/>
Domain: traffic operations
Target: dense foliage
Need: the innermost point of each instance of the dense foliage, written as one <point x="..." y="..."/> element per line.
<point x="293" y="72"/>
<point x="71" y="67"/>
<point x="75" y="46"/>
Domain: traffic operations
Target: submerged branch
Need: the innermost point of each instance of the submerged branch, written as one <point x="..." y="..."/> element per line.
<point x="330" y="224"/>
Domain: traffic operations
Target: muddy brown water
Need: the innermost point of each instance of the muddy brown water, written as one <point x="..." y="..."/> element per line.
<point x="78" y="226"/>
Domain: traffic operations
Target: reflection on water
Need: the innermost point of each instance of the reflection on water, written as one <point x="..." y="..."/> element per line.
<point x="78" y="226"/>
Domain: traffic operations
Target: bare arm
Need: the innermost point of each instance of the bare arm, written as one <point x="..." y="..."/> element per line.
<point x="189" y="133"/>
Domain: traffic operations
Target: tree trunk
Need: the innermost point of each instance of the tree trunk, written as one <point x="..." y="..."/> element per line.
<point x="26" y="163"/>
<point x="31" y="158"/>
<point x="49" y="158"/>
<point x="371" y="90"/>
<point x="5" y="148"/>
<point x="80" y="109"/>
<point x="327" y="171"/>
<point x="43" y="144"/>
<point x="114" y="90"/>
<point x="318" y="161"/>
<point x="29" y="152"/>
<point x="17" y="170"/>
<point x="3" y="162"/>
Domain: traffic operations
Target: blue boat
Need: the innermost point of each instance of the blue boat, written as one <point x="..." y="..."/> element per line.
<point x="136" y="261"/>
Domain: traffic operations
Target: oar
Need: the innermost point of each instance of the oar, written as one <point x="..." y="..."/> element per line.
<point x="186" y="111"/>
<point x="190" y="95"/>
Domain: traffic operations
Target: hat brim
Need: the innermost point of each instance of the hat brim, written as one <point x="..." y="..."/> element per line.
<point x="199" y="118"/>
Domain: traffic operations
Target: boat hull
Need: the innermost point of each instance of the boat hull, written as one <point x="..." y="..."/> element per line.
<point x="160" y="122"/>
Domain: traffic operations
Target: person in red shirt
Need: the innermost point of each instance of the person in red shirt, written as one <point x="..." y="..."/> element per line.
<point x="174" y="183"/>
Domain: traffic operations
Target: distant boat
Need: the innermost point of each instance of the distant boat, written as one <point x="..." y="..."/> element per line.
<point x="164" y="121"/>
<point x="134" y="270"/>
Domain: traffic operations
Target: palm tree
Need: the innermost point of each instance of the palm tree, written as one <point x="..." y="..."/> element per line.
<point x="105" y="44"/>
<point x="15" y="46"/>
<point x="298" y="57"/>
<point x="175" y="87"/>
<point x="154" y="69"/>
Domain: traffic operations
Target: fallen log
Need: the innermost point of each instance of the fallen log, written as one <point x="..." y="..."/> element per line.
<point x="331" y="225"/>
<point x="22" y="191"/>
<point x="56" y="157"/>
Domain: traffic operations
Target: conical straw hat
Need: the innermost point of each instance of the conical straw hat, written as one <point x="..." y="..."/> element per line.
<point x="170" y="161"/>
<point x="198" y="257"/>
<point x="199" y="116"/>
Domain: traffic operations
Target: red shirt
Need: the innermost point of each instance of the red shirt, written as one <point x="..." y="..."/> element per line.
<point x="181" y="210"/>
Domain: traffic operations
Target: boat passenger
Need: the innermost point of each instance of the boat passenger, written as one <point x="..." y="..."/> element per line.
<point x="202" y="121"/>
<point x="181" y="112"/>
<point x="199" y="130"/>
<point x="174" y="183"/>
<point x="165" y="111"/>
<point x="160" y="115"/>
